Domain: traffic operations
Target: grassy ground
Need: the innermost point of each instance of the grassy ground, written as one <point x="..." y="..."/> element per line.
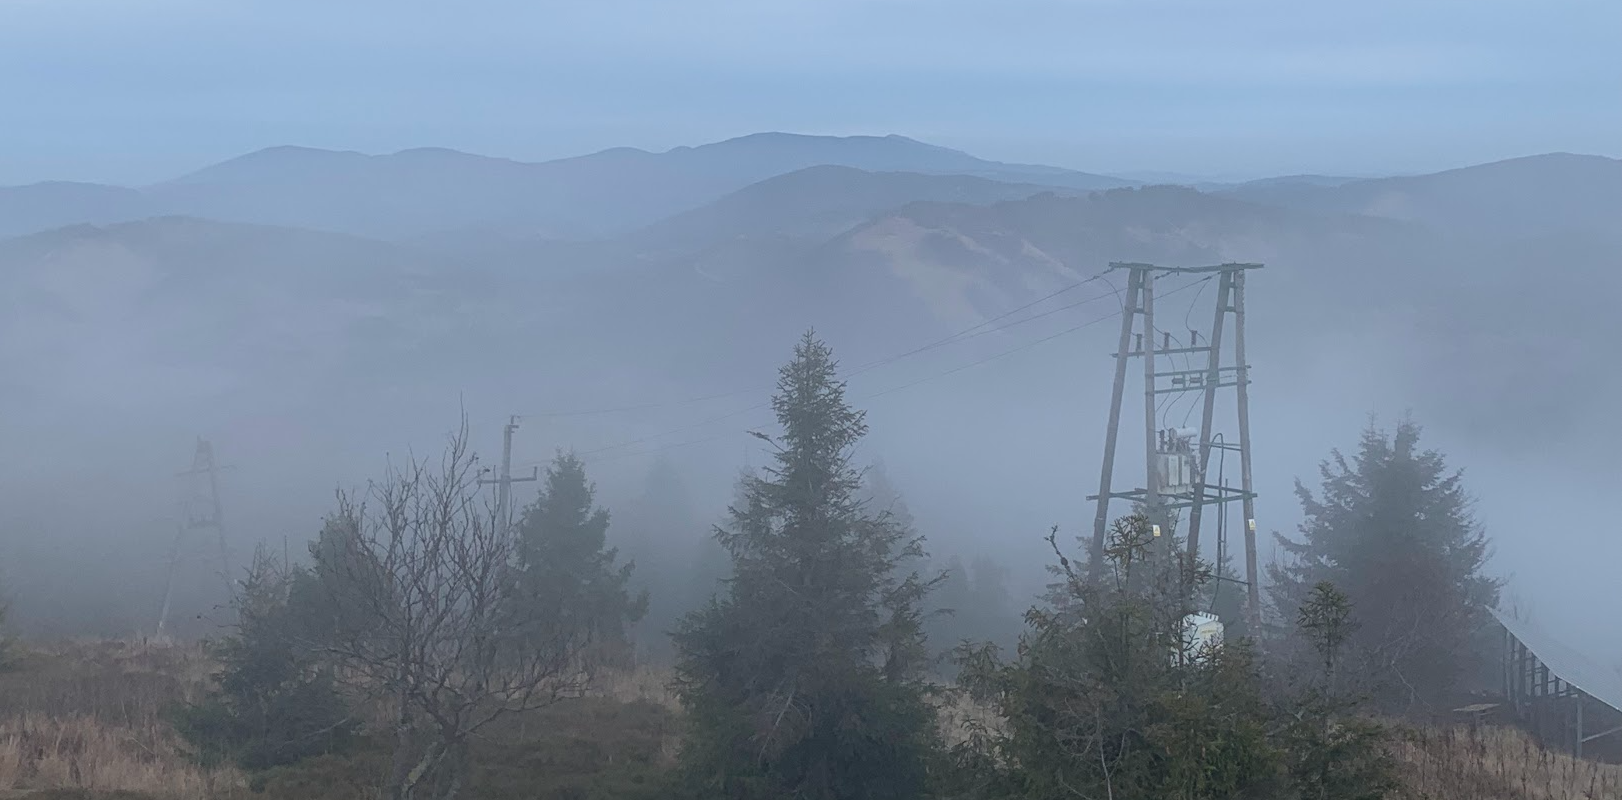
<point x="90" y="717"/>
<point x="589" y="749"/>
<point x="87" y="721"/>
<point x="1500" y="764"/>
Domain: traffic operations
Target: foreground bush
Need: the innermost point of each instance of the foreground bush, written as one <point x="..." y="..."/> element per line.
<point x="274" y="701"/>
<point x="1104" y="700"/>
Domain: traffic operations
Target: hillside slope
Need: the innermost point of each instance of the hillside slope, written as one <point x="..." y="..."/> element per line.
<point x="42" y="206"/>
<point x="1558" y="192"/>
<point x="821" y="202"/>
<point x="435" y="190"/>
<point x="604" y="193"/>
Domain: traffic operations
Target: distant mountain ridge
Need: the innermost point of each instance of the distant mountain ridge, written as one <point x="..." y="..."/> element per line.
<point x="1515" y="197"/>
<point x="428" y="192"/>
<point x="434" y="190"/>
<point x="823" y="201"/>
<point x="54" y="204"/>
<point x="595" y="195"/>
<point x="216" y="313"/>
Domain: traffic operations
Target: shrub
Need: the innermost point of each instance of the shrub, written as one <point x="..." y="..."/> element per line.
<point x="275" y="700"/>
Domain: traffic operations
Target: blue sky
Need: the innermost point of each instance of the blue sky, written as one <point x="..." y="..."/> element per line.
<point x="133" y="91"/>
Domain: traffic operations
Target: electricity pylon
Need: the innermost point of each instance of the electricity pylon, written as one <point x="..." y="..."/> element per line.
<point x="1176" y="461"/>
<point x="200" y="513"/>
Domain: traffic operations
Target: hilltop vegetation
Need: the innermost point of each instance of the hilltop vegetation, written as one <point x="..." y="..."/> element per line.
<point x="55" y="744"/>
<point x="425" y="649"/>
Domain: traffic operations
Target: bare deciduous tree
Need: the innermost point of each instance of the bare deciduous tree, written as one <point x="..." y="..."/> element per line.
<point x="427" y="614"/>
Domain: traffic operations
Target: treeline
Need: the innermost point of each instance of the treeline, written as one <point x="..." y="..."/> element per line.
<point x="805" y="667"/>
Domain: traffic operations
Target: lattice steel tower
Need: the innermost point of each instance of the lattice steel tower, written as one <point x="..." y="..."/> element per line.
<point x="200" y="516"/>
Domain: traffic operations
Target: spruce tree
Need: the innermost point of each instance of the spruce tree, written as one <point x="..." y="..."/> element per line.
<point x="1334" y="753"/>
<point x="564" y="559"/>
<point x="973" y="607"/>
<point x="1391" y="528"/>
<point x="804" y="677"/>
<point x="275" y="699"/>
<point x="1105" y="697"/>
<point x="884" y="498"/>
<point x="951" y="627"/>
<point x="661" y="527"/>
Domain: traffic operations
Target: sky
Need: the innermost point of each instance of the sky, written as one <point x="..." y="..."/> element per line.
<point x="137" y="91"/>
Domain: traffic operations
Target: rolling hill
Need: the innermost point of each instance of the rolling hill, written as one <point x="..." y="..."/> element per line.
<point x="43" y="206"/>
<point x="1519" y="197"/>
<point x="893" y="255"/>
<point x="436" y="190"/>
<point x="821" y="202"/>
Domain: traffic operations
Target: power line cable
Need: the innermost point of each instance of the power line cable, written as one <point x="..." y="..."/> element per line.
<point x="962" y="335"/>
<point x="970" y="332"/>
<point x="955" y="370"/>
<point x="1168" y="404"/>
<point x="1025" y="346"/>
<point x="1188" y="323"/>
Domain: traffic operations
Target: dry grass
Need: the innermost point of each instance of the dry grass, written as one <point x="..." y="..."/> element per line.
<point x="81" y="752"/>
<point x="113" y="681"/>
<point x="1490" y="763"/>
<point x="959" y="715"/>
<point x="91" y="716"/>
<point x="87" y="719"/>
<point x="1438" y="764"/>
<point x="645" y="683"/>
<point x="1496" y="763"/>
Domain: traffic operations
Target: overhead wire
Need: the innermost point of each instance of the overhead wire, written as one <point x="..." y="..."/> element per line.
<point x="1168" y="405"/>
<point x="974" y="330"/>
<point x="1188" y="323"/>
<point x="970" y="332"/>
<point x="1010" y="352"/>
<point x="967" y="333"/>
<point x="962" y="335"/>
<point x="880" y="393"/>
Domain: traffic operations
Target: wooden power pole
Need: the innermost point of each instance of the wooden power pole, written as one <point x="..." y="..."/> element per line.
<point x="505" y="481"/>
<point x="1176" y="462"/>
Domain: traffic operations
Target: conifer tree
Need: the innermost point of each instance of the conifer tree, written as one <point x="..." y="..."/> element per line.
<point x="1333" y="752"/>
<point x="564" y="559"/>
<point x="884" y="498"/>
<point x="974" y="607"/>
<point x="1392" y="530"/>
<point x="661" y="528"/>
<point x="1106" y="697"/>
<point x="803" y="678"/>
<point x="275" y="699"/>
